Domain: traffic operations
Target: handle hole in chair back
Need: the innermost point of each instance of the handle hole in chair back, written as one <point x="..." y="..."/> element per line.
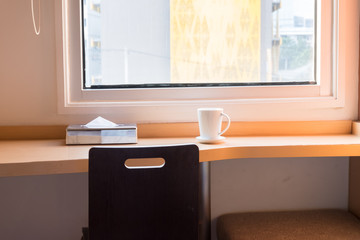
<point x="130" y="199"/>
<point x="141" y="163"/>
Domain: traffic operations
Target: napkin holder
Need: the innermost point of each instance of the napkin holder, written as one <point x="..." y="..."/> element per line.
<point x="118" y="134"/>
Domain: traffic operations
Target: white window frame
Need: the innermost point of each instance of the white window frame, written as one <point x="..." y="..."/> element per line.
<point x="252" y="103"/>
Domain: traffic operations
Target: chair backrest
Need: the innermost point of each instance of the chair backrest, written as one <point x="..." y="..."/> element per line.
<point x="144" y="203"/>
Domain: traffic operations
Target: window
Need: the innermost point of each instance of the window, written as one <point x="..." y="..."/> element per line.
<point x="162" y="43"/>
<point x="333" y="82"/>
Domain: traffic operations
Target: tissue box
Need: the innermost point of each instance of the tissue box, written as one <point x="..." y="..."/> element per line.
<point x="119" y="134"/>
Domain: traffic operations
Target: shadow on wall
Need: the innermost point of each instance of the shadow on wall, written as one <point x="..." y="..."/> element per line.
<point x="43" y="207"/>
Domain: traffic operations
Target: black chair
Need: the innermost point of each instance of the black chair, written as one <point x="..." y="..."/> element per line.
<point x="130" y="200"/>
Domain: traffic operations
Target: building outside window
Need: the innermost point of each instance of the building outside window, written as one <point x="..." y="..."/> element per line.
<point x="152" y="43"/>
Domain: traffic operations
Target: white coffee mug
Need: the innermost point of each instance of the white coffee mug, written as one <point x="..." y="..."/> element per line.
<point x="210" y="120"/>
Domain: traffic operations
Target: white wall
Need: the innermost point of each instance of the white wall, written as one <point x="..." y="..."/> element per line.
<point x="55" y="207"/>
<point x="43" y="207"/>
<point x="242" y="185"/>
<point x="28" y="94"/>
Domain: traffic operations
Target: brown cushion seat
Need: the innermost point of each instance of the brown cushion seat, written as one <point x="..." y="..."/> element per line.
<point x="292" y="225"/>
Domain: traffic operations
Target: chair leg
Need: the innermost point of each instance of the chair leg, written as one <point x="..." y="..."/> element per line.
<point x="204" y="218"/>
<point x="85" y="232"/>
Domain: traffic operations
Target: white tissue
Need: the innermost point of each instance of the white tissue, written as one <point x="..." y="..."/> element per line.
<point x="100" y="122"/>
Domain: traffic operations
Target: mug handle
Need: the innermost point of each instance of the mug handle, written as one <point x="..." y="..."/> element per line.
<point x="228" y="125"/>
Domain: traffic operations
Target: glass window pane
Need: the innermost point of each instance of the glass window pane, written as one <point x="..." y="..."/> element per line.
<point x="293" y="44"/>
<point x="198" y="41"/>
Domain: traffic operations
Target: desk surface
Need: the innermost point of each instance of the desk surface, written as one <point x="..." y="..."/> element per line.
<point x="39" y="157"/>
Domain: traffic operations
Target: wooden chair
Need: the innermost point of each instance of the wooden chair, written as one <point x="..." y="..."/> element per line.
<point x="128" y="199"/>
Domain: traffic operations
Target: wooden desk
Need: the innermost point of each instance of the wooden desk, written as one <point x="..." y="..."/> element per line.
<point x="40" y="157"/>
